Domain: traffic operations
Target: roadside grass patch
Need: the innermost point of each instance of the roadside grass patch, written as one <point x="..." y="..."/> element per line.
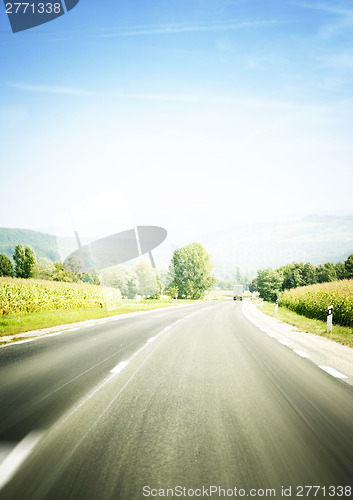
<point x="340" y="334"/>
<point x="12" y="324"/>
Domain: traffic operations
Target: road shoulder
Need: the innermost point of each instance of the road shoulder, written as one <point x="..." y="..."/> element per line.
<point x="334" y="358"/>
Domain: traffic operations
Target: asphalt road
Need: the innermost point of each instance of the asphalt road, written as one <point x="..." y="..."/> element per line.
<point x="191" y="397"/>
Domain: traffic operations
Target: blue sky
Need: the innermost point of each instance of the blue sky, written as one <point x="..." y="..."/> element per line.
<point x="176" y="113"/>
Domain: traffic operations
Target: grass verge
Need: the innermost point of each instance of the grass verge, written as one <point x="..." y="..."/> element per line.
<point x="12" y="324"/>
<point x="341" y="334"/>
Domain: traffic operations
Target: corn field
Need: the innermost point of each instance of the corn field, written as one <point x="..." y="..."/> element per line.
<point x="312" y="301"/>
<point x="30" y="295"/>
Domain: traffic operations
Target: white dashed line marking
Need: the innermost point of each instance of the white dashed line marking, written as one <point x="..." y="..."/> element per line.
<point x="333" y="372"/>
<point x="17" y="456"/>
<point x="303" y="354"/>
<point x="119" y="367"/>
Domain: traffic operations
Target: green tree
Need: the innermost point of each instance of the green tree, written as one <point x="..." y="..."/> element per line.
<point x="123" y="279"/>
<point x="6" y="267"/>
<point x="25" y="261"/>
<point x="309" y="274"/>
<point x="29" y="263"/>
<point x="44" y="269"/>
<point x="340" y="269"/>
<point x="61" y="274"/>
<point x="269" y="283"/>
<point x="225" y="284"/>
<point x="253" y="286"/>
<point x="19" y="260"/>
<point x="149" y="285"/>
<point x="73" y="264"/>
<point x="72" y="271"/>
<point x="326" y="272"/>
<point x="164" y="277"/>
<point x="132" y="285"/>
<point x="348" y="264"/>
<point x="286" y="272"/>
<point x="293" y="276"/>
<point x="190" y="269"/>
<point x="91" y="278"/>
<point x="114" y="277"/>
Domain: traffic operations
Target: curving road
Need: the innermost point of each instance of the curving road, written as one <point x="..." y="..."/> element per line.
<point x="194" y="401"/>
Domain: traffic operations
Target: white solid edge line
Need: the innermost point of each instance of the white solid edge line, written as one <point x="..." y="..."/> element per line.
<point x="284" y="342"/>
<point x="17" y="456"/>
<point x="271" y="335"/>
<point x="263" y="329"/>
<point x="303" y="354"/>
<point x="333" y="372"/>
<point x="327" y="369"/>
<point x="119" y="367"/>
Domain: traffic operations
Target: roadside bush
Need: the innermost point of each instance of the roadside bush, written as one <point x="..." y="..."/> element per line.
<point x="312" y="301"/>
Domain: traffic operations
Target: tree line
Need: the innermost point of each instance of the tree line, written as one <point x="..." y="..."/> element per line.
<point x="235" y="278"/>
<point x="270" y="282"/>
<point x="189" y="274"/>
<point x="130" y="282"/>
<point x="25" y="265"/>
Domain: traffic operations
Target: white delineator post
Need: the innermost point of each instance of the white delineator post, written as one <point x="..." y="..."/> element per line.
<point x="262" y="302"/>
<point x="329" y="319"/>
<point x="276" y="308"/>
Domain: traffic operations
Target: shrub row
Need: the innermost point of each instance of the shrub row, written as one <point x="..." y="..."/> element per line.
<point x="312" y="301"/>
<point x="29" y="295"/>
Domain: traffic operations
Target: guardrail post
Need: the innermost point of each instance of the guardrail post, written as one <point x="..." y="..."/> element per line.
<point x="276" y="308"/>
<point x="329" y="319"/>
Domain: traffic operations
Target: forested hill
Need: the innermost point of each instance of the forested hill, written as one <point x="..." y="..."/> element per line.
<point x="44" y="245"/>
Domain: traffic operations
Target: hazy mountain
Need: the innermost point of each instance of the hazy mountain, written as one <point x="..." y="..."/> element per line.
<point x="316" y="239"/>
<point x="44" y="245"/>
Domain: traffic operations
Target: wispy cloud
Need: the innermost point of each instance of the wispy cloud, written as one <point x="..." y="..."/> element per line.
<point x="147" y="30"/>
<point x="170" y="29"/>
<point x="342" y="17"/>
<point x="151" y="96"/>
<point x="334" y="9"/>
<point x="49" y="89"/>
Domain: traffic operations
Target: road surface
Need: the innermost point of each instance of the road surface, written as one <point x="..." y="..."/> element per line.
<point x="191" y="401"/>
